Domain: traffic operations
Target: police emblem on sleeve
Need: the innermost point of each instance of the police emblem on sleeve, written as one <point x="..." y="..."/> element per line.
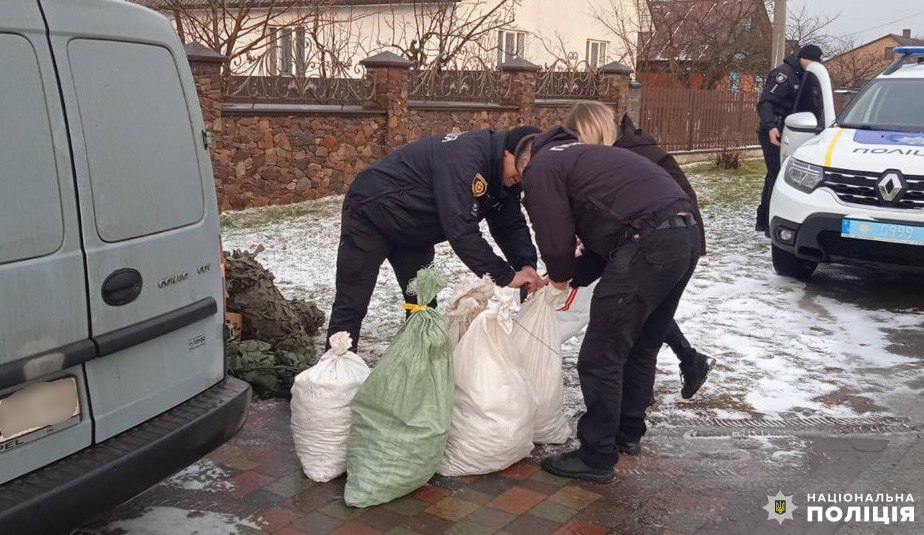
<point x="479" y="185"/>
<point x="780" y="78"/>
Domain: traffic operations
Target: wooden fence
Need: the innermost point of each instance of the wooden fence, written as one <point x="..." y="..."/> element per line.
<point x="692" y="119"/>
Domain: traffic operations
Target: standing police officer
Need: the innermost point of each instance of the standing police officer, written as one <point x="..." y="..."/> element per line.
<point x="776" y="102"/>
<point x="436" y="189"/>
<point x="630" y="211"/>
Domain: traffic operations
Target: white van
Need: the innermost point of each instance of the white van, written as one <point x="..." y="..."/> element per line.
<point x="112" y="371"/>
<point x="851" y="189"/>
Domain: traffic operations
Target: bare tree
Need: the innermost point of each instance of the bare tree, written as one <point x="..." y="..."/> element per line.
<point x="857" y="65"/>
<point x="704" y="41"/>
<point x="236" y="27"/>
<point x="628" y="22"/>
<point x="434" y="35"/>
<point x="804" y="28"/>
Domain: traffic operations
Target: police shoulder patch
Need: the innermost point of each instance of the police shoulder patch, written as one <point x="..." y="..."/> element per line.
<point x="479" y="185"/>
<point x="781" y="77"/>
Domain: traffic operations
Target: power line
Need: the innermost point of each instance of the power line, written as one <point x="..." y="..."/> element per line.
<point x="886" y="24"/>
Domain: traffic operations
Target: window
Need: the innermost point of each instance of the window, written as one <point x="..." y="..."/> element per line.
<point x="734" y="81"/>
<point x="510" y="45"/>
<point x="149" y="181"/>
<point x="287" y="51"/>
<point x="809" y="98"/>
<point x="889" y="52"/>
<point x="596" y="53"/>
<point x="890" y="105"/>
<point x="30" y="202"/>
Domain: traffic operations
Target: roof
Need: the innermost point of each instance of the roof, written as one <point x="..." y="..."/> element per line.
<point x="901" y="40"/>
<point x="907" y="41"/>
<point x="678" y="26"/>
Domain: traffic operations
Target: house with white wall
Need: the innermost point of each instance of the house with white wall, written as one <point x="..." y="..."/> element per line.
<point x="306" y="38"/>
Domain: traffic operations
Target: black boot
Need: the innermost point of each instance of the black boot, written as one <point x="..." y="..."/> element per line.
<point x="762" y="223"/>
<point x="571" y="465"/>
<point x="628" y="447"/>
<point x="693" y="377"/>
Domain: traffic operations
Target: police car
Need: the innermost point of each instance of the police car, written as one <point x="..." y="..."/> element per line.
<point x="851" y="189"/>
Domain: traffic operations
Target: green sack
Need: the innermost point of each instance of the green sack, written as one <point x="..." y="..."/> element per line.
<point x="401" y="413"/>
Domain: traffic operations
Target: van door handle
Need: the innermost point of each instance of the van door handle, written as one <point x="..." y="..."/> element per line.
<point x="122" y="287"/>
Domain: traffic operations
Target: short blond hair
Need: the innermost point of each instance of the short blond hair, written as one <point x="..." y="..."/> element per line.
<point x="593" y="122"/>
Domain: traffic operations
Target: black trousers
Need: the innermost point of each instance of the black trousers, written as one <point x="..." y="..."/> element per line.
<point x="772" y="161"/>
<point x="631" y="312"/>
<point x="362" y="251"/>
<point x="680" y="345"/>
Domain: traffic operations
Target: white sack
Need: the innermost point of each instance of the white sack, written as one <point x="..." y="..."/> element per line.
<point x="538" y="342"/>
<point x="465" y="306"/>
<point x="574" y="315"/>
<point x="321" y="417"/>
<point x="494" y="407"/>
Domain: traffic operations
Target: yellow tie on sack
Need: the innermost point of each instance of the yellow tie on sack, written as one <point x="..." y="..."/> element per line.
<point x="413" y="308"/>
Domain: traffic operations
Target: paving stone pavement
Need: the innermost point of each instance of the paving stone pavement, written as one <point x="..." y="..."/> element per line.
<point x="710" y="477"/>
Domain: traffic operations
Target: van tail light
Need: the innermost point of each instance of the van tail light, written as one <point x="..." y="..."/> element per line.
<point x="224" y="285"/>
<point x="224" y="303"/>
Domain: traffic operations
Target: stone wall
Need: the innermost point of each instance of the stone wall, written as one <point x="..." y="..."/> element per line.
<point x="280" y="154"/>
<point x="285" y="159"/>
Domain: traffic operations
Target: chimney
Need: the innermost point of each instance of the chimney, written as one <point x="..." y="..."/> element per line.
<point x="906" y="33"/>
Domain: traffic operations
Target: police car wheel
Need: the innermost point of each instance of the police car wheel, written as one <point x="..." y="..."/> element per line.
<point x="787" y="265"/>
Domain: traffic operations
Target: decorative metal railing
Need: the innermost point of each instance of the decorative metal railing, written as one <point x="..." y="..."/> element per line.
<point x="567" y="79"/>
<point x="469" y="80"/>
<point x="283" y="75"/>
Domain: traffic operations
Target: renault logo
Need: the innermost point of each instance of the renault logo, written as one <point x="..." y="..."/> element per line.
<point x="891" y="186"/>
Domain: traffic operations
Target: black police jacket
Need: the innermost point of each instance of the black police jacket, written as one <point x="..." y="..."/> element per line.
<point x="645" y="144"/>
<point x="779" y="95"/>
<point x="439" y="188"/>
<point x="589" y="267"/>
<point x="603" y="195"/>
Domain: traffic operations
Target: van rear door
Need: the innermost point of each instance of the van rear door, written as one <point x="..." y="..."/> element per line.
<point x="147" y="203"/>
<point x="44" y="335"/>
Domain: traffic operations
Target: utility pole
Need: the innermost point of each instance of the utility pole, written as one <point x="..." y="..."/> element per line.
<point x="778" y="49"/>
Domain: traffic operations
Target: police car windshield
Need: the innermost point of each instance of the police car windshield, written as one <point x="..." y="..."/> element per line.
<point x="896" y="105"/>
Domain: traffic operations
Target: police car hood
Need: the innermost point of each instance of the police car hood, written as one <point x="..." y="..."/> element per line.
<point x="873" y="151"/>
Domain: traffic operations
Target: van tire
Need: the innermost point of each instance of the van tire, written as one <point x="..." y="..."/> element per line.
<point x="787" y="264"/>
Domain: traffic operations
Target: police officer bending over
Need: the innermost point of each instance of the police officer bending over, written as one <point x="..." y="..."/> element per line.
<point x="776" y="102"/>
<point x="594" y="122"/>
<point x="631" y="212"/>
<point x="433" y="190"/>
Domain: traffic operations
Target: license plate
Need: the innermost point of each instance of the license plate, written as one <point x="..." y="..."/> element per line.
<point x="890" y="232"/>
<point x="48" y="407"/>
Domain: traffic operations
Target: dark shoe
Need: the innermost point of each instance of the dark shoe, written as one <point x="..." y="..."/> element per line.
<point x="571" y="465"/>
<point x="693" y="377"/>
<point x="629" y="448"/>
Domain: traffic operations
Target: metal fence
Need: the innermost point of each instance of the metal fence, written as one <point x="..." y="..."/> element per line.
<point x="456" y="85"/>
<point x="690" y="119"/>
<point x="290" y="89"/>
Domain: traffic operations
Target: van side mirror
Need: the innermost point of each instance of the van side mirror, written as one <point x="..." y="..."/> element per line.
<point x="803" y="122"/>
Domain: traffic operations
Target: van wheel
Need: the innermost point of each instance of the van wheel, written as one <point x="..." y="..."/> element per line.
<point x="787" y="265"/>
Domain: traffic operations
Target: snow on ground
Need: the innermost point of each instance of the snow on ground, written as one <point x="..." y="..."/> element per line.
<point x="160" y="520"/>
<point x="835" y="347"/>
<point x="203" y="475"/>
